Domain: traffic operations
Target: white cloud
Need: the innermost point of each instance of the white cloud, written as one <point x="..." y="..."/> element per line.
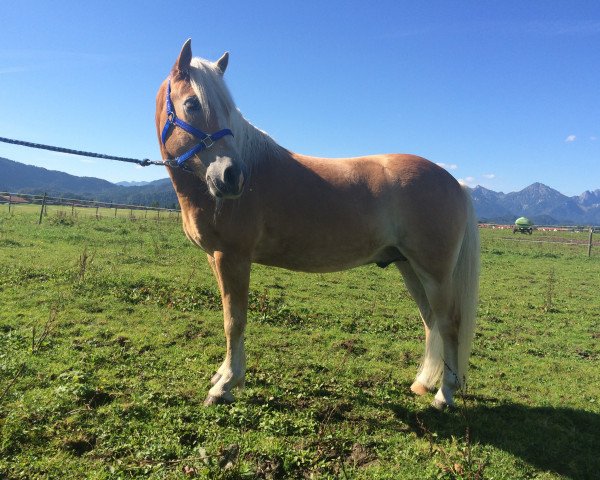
<point x="489" y="176"/>
<point x="448" y="166"/>
<point x="9" y="70"/>
<point x="467" y="181"/>
<point x="570" y="138"/>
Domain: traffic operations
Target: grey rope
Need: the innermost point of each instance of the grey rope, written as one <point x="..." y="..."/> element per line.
<point x="144" y="163"/>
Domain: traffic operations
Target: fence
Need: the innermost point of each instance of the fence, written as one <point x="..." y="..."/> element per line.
<point x="101" y="209"/>
<point x="16" y="201"/>
<point x="585" y="234"/>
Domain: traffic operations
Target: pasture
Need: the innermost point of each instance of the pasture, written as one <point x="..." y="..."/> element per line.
<point x="111" y="328"/>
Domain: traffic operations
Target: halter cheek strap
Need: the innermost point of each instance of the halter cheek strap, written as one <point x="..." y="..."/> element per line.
<point x="207" y="140"/>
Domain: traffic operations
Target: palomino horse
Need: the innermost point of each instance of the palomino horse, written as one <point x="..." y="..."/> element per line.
<point x="245" y="199"/>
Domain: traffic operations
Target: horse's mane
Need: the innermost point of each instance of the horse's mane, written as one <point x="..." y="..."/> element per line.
<point x="252" y="143"/>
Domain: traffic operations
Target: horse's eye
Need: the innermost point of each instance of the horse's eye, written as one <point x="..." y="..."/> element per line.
<point x="192" y="104"/>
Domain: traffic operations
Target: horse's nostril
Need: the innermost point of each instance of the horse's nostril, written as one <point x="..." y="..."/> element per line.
<point x="229" y="176"/>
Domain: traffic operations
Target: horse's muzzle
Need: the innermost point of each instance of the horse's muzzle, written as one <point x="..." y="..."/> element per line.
<point x="226" y="178"/>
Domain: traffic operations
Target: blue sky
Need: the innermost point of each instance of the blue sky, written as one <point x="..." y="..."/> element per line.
<point x="504" y="93"/>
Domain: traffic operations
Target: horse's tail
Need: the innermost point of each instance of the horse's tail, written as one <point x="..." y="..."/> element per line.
<point x="466" y="288"/>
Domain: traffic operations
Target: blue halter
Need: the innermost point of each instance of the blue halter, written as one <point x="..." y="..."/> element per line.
<point x="206" y="140"/>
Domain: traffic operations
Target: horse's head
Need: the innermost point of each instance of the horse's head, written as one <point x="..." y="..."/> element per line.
<point x="193" y="110"/>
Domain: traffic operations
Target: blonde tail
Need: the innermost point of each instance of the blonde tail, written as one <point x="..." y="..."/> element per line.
<point x="466" y="289"/>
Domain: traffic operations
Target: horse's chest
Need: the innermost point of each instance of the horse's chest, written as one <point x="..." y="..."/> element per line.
<point x="202" y="236"/>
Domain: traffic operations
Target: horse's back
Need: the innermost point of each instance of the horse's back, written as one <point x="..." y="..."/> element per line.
<point x="404" y="190"/>
<point x="401" y="173"/>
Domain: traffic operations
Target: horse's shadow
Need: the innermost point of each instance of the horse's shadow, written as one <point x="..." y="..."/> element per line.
<point x="561" y="440"/>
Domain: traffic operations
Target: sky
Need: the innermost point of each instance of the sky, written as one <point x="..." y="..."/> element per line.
<point x="501" y="93"/>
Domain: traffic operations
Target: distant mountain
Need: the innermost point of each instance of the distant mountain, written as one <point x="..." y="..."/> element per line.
<point x="132" y="184"/>
<point x="20" y="178"/>
<point x="488" y="205"/>
<point x="540" y="203"/>
<point x="589" y="199"/>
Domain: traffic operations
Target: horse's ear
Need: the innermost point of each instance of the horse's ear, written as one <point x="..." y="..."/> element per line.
<point x="182" y="65"/>
<point x="222" y="62"/>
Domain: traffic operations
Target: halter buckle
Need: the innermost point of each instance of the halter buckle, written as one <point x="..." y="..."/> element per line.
<point x="207" y="142"/>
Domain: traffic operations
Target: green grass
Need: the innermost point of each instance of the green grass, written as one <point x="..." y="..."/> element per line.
<point x="110" y="330"/>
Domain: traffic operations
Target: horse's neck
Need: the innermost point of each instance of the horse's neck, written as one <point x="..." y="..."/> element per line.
<point x="201" y="211"/>
<point x="255" y="146"/>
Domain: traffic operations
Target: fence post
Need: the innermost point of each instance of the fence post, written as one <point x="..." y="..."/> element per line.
<point x="9" y="201"/>
<point x="42" y="209"/>
<point x="590" y="242"/>
<point x="72" y="208"/>
<point x="97" y="212"/>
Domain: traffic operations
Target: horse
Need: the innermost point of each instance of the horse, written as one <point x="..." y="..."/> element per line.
<point x="245" y="199"/>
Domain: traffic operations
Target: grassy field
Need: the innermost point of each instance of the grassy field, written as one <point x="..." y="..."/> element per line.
<point x="110" y="330"/>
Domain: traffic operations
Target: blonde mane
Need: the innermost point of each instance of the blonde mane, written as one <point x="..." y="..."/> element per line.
<point x="251" y="143"/>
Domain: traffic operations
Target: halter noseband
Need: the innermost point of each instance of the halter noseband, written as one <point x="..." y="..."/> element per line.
<point x="207" y="140"/>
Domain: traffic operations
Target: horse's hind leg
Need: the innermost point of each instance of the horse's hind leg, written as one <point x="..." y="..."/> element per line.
<point x="432" y="364"/>
<point x="446" y="319"/>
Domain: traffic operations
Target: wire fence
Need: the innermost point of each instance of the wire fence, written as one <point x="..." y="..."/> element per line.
<point x="582" y="236"/>
<point x="572" y="235"/>
<point x="17" y="202"/>
<point x="544" y="228"/>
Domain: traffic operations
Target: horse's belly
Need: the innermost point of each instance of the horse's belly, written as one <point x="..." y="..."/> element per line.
<point x="325" y="256"/>
<point x="335" y="233"/>
<point x="312" y="266"/>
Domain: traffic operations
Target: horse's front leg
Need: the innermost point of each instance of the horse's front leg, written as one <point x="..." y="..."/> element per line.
<point x="211" y="261"/>
<point x="233" y="276"/>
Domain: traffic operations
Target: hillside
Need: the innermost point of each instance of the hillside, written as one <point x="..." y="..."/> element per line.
<point x="542" y="204"/>
<point x="20" y="178"/>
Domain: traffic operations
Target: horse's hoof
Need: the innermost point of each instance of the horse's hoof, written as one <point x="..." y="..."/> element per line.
<point x="418" y="388"/>
<point x="212" y="400"/>
<point x="440" y="405"/>
<point x="215" y="378"/>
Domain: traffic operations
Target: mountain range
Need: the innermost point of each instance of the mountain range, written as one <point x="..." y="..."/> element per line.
<point x="540" y="203"/>
<point x="17" y="177"/>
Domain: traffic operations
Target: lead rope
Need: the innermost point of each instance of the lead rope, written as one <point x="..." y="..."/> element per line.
<point x="144" y="162"/>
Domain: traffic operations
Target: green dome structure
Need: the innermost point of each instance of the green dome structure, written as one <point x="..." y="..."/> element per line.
<point x="523" y="225"/>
